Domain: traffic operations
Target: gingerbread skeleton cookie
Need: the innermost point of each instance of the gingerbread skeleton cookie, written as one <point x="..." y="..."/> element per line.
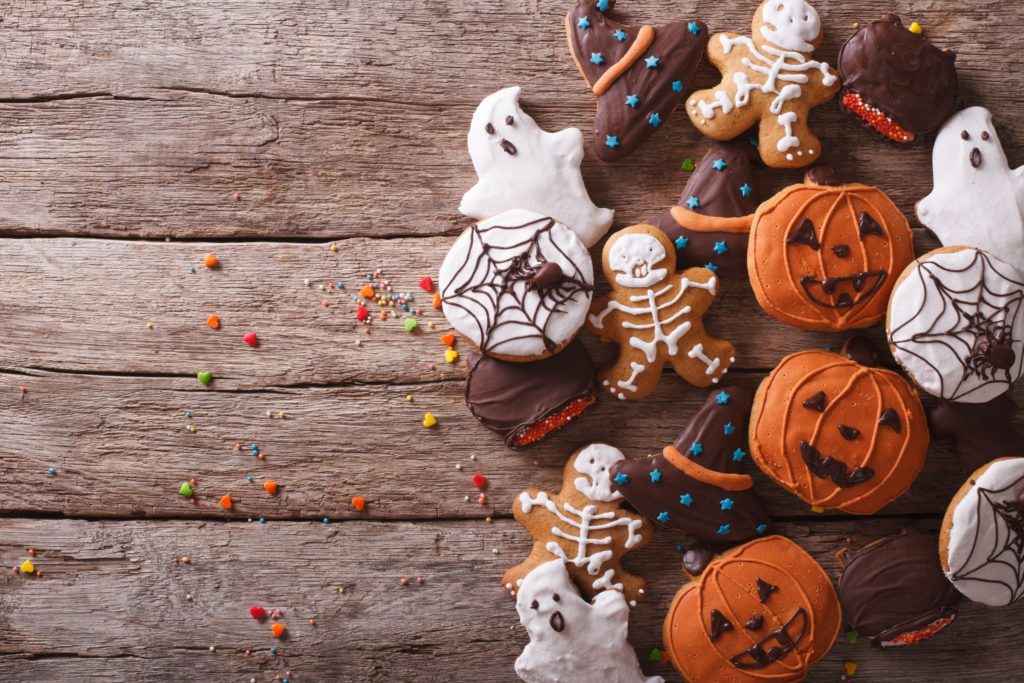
<point x="654" y="314"/>
<point x="977" y="199"/>
<point x="572" y="639"/>
<point x="769" y="78"/>
<point x="522" y="166"/>
<point x="517" y="286"/>
<point x="639" y="75"/>
<point x="583" y="525"/>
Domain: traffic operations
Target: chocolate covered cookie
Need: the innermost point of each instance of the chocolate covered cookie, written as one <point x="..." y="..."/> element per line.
<point x="699" y="484"/>
<point x="525" y="402"/>
<point x="639" y="74"/>
<point x="893" y="591"/>
<point x="896" y="82"/>
<point x="711" y="222"/>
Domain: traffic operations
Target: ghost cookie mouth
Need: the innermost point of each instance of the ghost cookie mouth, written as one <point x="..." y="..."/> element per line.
<point x="976" y="159"/>
<point x="786" y="637"/>
<point x="557" y="622"/>
<point x="843" y="292"/>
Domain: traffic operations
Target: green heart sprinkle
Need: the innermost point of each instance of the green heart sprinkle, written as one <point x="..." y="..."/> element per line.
<point x="688" y="165"/>
<point x="185" y="489"/>
<point x="205" y="377"/>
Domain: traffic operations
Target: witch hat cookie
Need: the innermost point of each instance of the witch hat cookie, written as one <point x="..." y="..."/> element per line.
<point x="711" y="222"/>
<point x="698" y="484"/>
<point x="638" y="74"/>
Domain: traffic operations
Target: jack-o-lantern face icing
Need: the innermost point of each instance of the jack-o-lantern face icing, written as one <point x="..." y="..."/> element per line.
<point x="825" y="256"/>
<point x="764" y="611"/>
<point x="836" y="433"/>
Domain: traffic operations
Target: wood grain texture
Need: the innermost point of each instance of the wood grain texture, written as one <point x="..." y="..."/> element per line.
<point x="136" y="616"/>
<point x="332" y="120"/>
<point x="262" y="132"/>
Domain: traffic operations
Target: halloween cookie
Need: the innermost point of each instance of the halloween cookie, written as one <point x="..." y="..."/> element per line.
<point x="517" y="286"/>
<point x="764" y="611"/>
<point x="838" y="434"/>
<point x="977" y="199"/>
<point x="584" y="525"/>
<point x="980" y="545"/>
<point x="896" y="82"/>
<point x="770" y="79"/>
<point x="522" y="166"/>
<point x="711" y="222"/>
<point x="654" y="315"/>
<point x="525" y="402"/>
<point x="956" y="324"/>
<point x="982" y="431"/>
<point x="639" y="75"/>
<point x="825" y="256"/>
<point x="699" y="485"/>
<point x="893" y="591"/>
<point x="572" y="639"/>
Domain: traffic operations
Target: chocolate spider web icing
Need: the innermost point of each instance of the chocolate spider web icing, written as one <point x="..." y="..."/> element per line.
<point x="990" y="323"/>
<point x="495" y="290"/>
<point x="1007" y="518"/>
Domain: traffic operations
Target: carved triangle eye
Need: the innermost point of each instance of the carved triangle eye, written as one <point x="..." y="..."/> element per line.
<point x="719" y="625"/>
<point x="805" y="235"/>
<point x="869" y="226"/>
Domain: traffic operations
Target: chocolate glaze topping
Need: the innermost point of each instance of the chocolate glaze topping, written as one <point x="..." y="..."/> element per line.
<point x="672" y="57"/>
<point x="895" y="586"/>
<point x="724" y="185"/>
<point x="715" y="441"/>
<point x="983" y="431"/>
<point x="902" y="74"/>
<point x="508" y="397"/>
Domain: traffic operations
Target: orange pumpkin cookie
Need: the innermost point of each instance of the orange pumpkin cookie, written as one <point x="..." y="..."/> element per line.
<point x="825" y="256"/>
<point x="764" y="611"/>
<point x="654" y="314"/>
<point x="837" y="433"/>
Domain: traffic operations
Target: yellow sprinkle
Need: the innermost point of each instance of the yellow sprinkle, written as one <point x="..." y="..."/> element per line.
<point x="450" y="355"/>
<point x="489" y="520"/>
<point x="856" y="24"/>
<point x="429" y="420"/>
<point x="281" y="414"/>
<point x="27" y="567"/>
<point x="850" y="668"/>
<point x="342" y="590"/>
<point x="916" y="28"/>
<point x="817" y="509"/>
<point x="149" y="324"/>
<point x="334" y="247"/>
<point x="409" y="397"/>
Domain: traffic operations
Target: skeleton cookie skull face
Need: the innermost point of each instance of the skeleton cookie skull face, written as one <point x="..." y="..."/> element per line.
<point x="790" y="24"/>
<point x="633" y="257"/>
<point x="595" y="461"/>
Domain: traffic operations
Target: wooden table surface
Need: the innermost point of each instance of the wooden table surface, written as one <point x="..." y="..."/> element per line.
<point x="138" y="135"/>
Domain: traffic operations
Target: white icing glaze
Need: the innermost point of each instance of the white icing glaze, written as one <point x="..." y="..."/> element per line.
<point x="790" y="24"/>
<point x="789" y="28"/>
<point x="595" y="462"/>
<point x="473" y="304"/>
<point x="591" y="644"/>
<point x="976" y="207"/>
<point x="932" y="334"/>
<point x="542" y="176"/>
<point x="985" y="553"/>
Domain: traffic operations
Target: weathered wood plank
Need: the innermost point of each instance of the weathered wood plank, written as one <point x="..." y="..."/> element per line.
<point x="84" y="305"/>
<point x="372" y="141"/>
<point x="111" y="605"/>
<point x="121" y="448"/>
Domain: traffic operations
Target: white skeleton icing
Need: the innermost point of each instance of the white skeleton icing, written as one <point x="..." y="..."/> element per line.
<point x="789" y="27"/>
<point x="633" y="258"/>
<point x="583" y="522"/>
<point x="595" y="461"/>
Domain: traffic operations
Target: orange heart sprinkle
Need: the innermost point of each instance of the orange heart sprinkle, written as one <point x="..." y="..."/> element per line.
<point x="211" y="261"/>
<point x="213" y="321"/>
<point x="225" y="502"/>
<point x="368" y="292"/>
<point x="448" y="340"/>
<point x="437" y="300"/>
<point x="359" y="504"/>
<point x="270" y="487"/>
<point x="277" y="630"/>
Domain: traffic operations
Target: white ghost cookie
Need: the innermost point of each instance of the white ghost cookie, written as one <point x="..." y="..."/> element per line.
<point x="522" y="166"/>
<point x="978" y="200"/>
<point x="571" y="639"/>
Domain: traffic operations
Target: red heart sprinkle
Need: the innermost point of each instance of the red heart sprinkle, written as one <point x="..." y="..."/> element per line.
<point x="257" y="612"/>
<point x="362" y="313"/>
<point x="480" y="481"/>
<point x="251" y="339"/>
<point x="427" y="284"/>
